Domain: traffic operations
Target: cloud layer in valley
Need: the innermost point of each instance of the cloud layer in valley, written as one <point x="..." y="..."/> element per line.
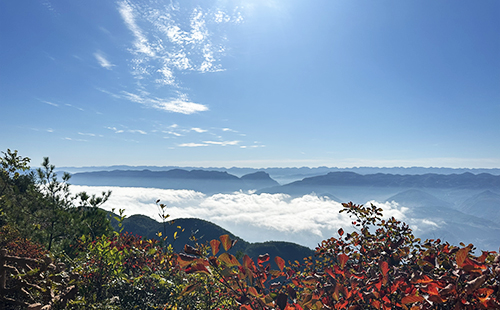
<point x="306" y="220"/>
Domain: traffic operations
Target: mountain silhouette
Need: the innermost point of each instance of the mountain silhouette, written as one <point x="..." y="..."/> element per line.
<point x="417" y="198"/>
<point x="258" y="180"/>
<point x="485" y="205"/>
<point x="208" y="182"/>
<point x="431" y="180"/>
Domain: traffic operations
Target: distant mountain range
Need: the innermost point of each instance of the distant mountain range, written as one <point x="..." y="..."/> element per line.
<point x="287" y="175"/>
<point x="429" y="180"/>
<point x="454" y="207"/>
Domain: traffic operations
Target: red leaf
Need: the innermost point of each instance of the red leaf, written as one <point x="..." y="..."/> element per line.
<point x="343" y="260"/>
<point x="190" y="250"/>
<point x="215" y="244"/>
<point x="436" y="299"/>
<point x="291" y="292"/>
<point x="411" y="299"/>
<point x="226" y="242"/>
<point x="330" y="272"/>
<point x="198" y="268"/>
<point x="280" y="262"/>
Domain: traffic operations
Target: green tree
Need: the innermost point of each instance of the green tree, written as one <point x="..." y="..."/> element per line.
<point x="41" y="207"/>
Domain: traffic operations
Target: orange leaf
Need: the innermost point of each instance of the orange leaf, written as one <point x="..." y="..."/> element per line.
<point x="423" y="279"/>
<point x="375" y="303"/>
<point x="215" y="244"/>
<point x="262" y="259"/>
<point x="184" y="260"/>
<point x="188" y="289"/>
<point x="384" y="266"/>
<point x="229" y="260"/>
<point x="335" y="294"/>
<point x="248" y="263"/>
<point x="252" y="291"/>
<point x="436" y="299"/>
<point x="226" y="242"/>
<point x="461" y="256"/>
<point x="280" y="262"/>
<point x="411" y="299"/>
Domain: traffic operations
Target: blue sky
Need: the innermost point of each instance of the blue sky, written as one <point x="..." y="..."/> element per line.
<point x="251" y="83"/>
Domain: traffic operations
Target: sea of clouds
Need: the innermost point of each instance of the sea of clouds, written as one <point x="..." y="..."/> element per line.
<point x="305" y="220"/>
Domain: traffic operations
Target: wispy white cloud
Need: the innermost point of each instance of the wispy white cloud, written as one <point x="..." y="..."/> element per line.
<point x="252" y="146"/>
<point x="177" y="105"/>
<point x="222" y="143"/>
<point x="180" y="104"/>
<point x="199" y="130"/>
<point x="86" y="134"/>
<point x="72" y="106"/>
<point x="49" y="103"/>
<point x="142" y="132"/>
<point x="50" y="130"/>
<point x="72" y="139"/>
<point x="103" y="62"/>
<point x="192" y="144"/>
<point x="141" y="43"/>
<point x="173" y="133"/>
<point x="116" y="130"/>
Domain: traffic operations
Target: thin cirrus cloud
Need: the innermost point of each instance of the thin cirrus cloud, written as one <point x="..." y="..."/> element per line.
<point x="141" y="43"/>
<point x="103" y="62"/>
<point x="222" y="143"/>
<point x="192" y="144"/>
<point x="49" y="103"/>
<point x="167" y="42"/>
<point x="208" y="143"/>
<point x="181" y="104"/>
<point x="306" y="220"/>
<point x="177" y="105"/>
<point x="116" y="130"/>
